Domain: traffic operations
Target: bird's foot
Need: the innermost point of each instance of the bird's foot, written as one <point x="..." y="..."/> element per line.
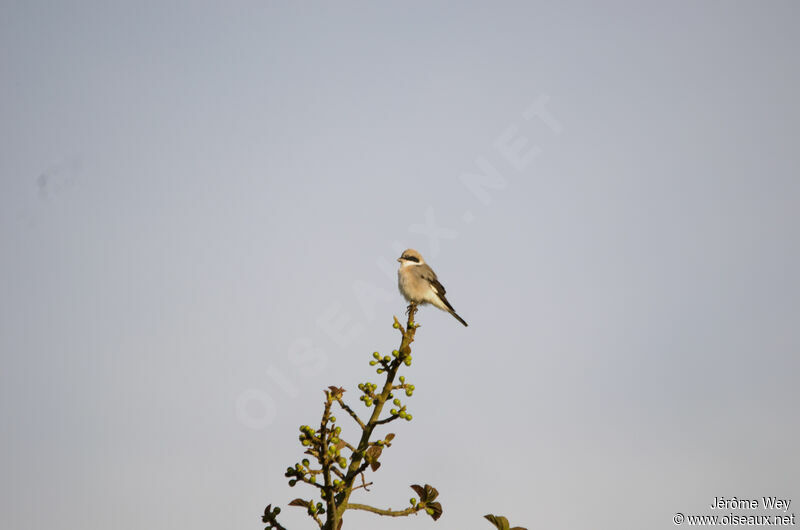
<point x="411" y="307"/>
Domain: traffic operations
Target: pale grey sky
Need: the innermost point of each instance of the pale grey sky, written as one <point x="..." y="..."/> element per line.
<point x="199" y="202"/>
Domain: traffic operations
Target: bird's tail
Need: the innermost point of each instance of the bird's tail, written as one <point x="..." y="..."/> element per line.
<point x="459" y="318"/>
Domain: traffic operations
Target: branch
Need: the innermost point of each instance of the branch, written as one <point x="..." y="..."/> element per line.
<point x="308" y="481"/>
<point x="327" y="463"/>
<point x="388" y="512"/>
<point x="405" y="349"/>
<point x="364" y="484"/>
<point x="351" y="412"/>
<point x="387" y="420"/>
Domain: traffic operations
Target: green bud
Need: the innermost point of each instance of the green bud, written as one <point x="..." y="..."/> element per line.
<point x="377" y="355"/>
<point x="396" y="402"/>
<point x="413" y="501"/>
<point x="402" y="379"/>
<point x="306" y="462"/>
<point x="312" y="479"/>
<point x="380" y="370"/>
<point x="409" y="393"/>
<point x="292" y="483"/>
<point x="429" y="511"/>
<point x="409" y="417"/>
<point x="396" y="325"/>
<point x="333" y="419"/>
<point x="373" y="363"/>
<point x="387" y="358"/>
<point x="394" y="412"/>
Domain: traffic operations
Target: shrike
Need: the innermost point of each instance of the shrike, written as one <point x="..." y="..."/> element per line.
<point x="419" y="285"/>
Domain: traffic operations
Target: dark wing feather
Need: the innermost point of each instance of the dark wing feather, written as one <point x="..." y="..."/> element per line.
<point x="430" y="276"/>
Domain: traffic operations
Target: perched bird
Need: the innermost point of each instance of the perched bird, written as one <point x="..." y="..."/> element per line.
<point x="419" y="285"/>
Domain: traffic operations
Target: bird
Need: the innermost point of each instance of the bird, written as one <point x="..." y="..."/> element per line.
<point x="419" y="285"/>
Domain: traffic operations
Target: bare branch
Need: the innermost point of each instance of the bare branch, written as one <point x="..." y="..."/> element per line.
<point x="364" y="483"/>
<point x="350" y="411"/>
<point x="387" y="420"/>
<point x="387" y="512"/>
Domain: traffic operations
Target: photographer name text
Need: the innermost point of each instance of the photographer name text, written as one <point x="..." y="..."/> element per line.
<point x="736" y="503"/>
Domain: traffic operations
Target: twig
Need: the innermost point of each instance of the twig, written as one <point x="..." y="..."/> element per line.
<point x="379" y="511"/>
<point x="351" y="412"/>
<point x="387" y="420"/>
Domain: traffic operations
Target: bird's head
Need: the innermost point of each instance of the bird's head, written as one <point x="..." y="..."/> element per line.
<point x="410" y="257"/>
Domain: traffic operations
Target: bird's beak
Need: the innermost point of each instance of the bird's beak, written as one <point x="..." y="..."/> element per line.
<point x="399" y="259"/>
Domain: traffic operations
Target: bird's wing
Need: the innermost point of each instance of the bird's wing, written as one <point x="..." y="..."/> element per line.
<point x="430" y="276"/>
